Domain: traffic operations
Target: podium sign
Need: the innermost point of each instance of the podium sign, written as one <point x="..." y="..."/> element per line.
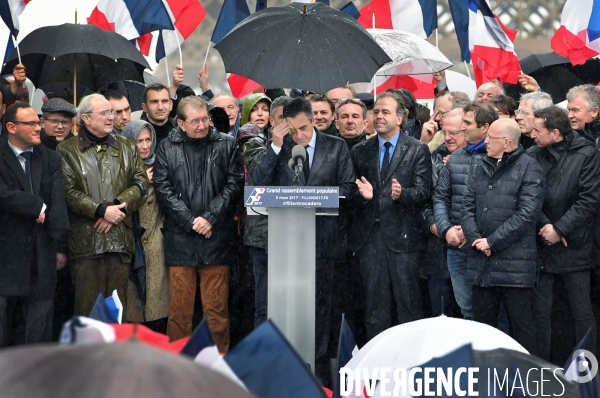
<point x="324" y="197"/>
<point x="291" y="252"/>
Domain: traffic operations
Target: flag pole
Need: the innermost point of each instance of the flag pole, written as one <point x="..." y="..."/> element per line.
<point x="17" y="46"/>
<point x="179" y="47"/>
<point x="437" y="44"/>
<point x="468" y="71"/>
<point x="167" y="67"/>
<point x="206" y="56"/>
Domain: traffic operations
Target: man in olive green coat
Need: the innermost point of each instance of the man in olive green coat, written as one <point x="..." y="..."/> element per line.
<point x="105" y="182"/>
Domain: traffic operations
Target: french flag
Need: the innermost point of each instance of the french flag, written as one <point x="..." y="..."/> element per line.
<point x="485" y="41"/>
<point x="414" y="16"/>
<point x="130" y="18"/>
<point x="578" y="37"/>
<point x="232" y="13"/>
<point x="9" y="12"/>
<point x="186" y="15"/>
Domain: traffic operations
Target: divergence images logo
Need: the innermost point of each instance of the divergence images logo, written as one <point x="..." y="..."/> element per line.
<point x="583" y="367"/>
<point x="255" y="196"/>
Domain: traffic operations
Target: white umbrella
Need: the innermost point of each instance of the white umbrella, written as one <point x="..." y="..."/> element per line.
<point x="415" y="343"/>
<point x="410" y="54"/>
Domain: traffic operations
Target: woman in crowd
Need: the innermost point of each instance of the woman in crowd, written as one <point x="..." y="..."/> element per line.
<point x="156" y="307"/>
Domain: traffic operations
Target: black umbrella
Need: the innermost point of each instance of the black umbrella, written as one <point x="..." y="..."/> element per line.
<point x="102" y="57"/>
<point x="555" y="75"/>
<point x="125" y="369"/>
<point x="526" y="367"/>
<point x="309" y="46"/>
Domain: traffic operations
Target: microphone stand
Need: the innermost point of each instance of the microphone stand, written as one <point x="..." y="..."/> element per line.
<point x="299" y="169"/>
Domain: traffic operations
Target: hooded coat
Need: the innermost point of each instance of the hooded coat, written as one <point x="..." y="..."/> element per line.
<point x="249" y="103"/>
<point x="151" y="219"/>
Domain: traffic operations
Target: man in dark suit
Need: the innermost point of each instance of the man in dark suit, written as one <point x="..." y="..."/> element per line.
<point x="386" y="238"/>
<point x="34" y="222"/>
<point x="327" y="164"/>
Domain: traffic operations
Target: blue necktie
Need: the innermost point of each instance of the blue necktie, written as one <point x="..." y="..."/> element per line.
<point x="27" y="157"/>
<point x="386" y="159"/>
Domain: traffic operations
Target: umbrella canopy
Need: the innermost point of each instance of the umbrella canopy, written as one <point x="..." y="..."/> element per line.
<point x="503" y="360"/>
<point x="103" y="57"/>
<point x="124" y="369"/>
<point x="414" y="343"/>
<point x="555" y="75"/>
<point x="309" y="46"/>
<point x="410" y="54"/>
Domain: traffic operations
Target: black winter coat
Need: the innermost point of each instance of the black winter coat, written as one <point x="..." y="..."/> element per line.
<point x="435" y="255"/>
<point x="451" y="188"/>
<point x="502" y="204"/>
<point x="216" y="199"/>
<point x="331" y="166"/>
<point x="572" y="168"/>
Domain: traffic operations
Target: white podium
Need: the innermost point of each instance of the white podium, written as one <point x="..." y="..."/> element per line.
<point x="291" y="252"/>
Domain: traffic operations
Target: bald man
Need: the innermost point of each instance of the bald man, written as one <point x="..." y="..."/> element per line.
<point x="499" y="215"/>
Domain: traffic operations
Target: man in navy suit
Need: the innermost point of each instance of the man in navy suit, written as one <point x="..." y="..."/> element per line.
<point x="33" y="226"/>
<point x="386" y="235"/>
<point x="327" y="164"/>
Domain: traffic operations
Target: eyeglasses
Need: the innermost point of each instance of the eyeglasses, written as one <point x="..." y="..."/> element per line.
<point x="106" y="113"/>
<point x="442" y="113"/>
<point x="524" y="113"/>
<point x="29" y="124"/>
<point x="489" y="137"/>
<point x="453" y="133"/>
<point x="56" y="122"/>
<point x="196" y="123"/>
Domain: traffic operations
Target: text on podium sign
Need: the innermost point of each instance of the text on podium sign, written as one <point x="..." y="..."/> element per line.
<point x="286" y="196"/>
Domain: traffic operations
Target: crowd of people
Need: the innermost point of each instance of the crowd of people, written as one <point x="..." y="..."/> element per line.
<point x="479" y="211"/>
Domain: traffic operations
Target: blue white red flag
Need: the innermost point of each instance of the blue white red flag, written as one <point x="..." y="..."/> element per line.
<point x="186" y="15"/>
<point x="270" y="368"/>
<point x="485" y="41"/>
<point x="9" y="12"/>
<point x="414" y="16"/>
<point x="347" y="348"/>
<point x="578" y="37"/>
<point x="131" y="18"/>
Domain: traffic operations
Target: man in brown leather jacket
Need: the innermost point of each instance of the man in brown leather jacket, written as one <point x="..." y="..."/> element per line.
<point x="105" y="182"/>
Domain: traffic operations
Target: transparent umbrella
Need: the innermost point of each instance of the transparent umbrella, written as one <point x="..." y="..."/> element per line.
<point x="410" y="54"/>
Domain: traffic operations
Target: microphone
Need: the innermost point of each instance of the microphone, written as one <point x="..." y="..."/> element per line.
<point x="296" y="162"/>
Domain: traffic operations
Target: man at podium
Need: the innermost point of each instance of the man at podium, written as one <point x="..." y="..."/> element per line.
<point x="325" y="161"/>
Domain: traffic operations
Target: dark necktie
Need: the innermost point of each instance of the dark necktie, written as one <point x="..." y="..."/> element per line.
<point x="27" y="157"/>
<point x="386" y="159"/>
<point x="306" y="165"/>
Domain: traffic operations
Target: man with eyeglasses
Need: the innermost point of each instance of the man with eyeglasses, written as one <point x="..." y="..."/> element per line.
<point x="530" y="103"/>
<point x="449" y="193"/>
<point x="33" y="229"/>
<point x="57" y="122"/>
<point x="431" y="134"/>
<point x="122" y="108"/>
<point x="435" y="262"/>
<point x="500" y="210"/>
<point x="339" y="93"/>
<point x="198" y="180"/>
<point x="105" y="182"/>
<point x="566" y="225"/>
